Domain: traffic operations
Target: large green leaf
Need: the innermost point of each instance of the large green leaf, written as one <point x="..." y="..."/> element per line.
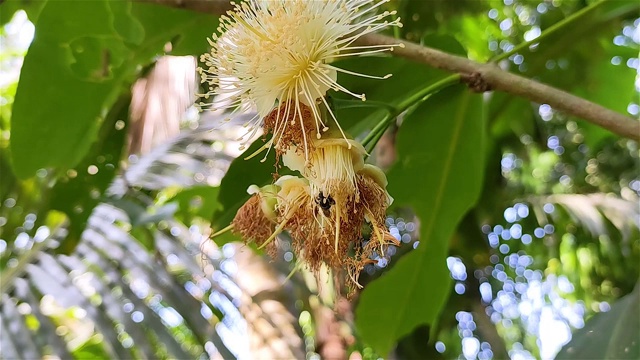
<point x="612" y="86"/>
<point x="78" y="192"/>
<point x="73" y="66"/>
<point x="419" y="17"/>
<point x="9" y="7"/>
<point x="611" y="335"/>
<point x="508" y="115"/>
<point x="440" y="174"/>
<point x="187" y="30"/>
<point x="90" y="49"/>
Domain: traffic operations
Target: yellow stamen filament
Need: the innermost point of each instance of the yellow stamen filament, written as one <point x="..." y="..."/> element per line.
<point x="295" y="269"/>
<point x="338" y="211"/>
<point x="276" y="232"/>
<point x="355" y="280"/>
<point x="221" y="231"/>
<point x="261" y="149"/>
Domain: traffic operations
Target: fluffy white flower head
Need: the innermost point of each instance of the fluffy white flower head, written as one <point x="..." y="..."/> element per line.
<point x="279" y="52"/>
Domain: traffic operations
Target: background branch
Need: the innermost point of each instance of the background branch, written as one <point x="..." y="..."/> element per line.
<point x="492" y="76"/>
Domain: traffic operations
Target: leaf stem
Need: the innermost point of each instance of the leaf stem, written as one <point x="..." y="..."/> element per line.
<point x="433" y="88"/>
<point x="380" y="127"/>
<point x="376" y="133"/>
<point x="549" y="31"/>
<point x="350" y="104"/>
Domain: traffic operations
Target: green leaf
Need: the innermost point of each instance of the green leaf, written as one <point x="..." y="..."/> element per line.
<point x="187" y="30"/>
<point x="475" y="32"/>
<point x="89" y="49"/>
<point x="609" y="85"/>
<point x="440" y="174"/>
<point x="611" y="335"/>
<point x="199" y="201"/>
<point x="125" y="24"/>
<point x="508" y="115"/>
<point x="419" y="17"/>
<point x="80" y="190"/>
<point x="8" y="8"/>
<point x="68" y="74"/>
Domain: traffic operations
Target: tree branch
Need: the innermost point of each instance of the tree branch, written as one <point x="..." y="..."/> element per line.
<point x="489" y="75"/>
<point x="501" y="80"/>
<point x="214" y="7"/>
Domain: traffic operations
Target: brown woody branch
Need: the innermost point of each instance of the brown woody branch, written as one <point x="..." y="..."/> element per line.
<point x="501" y="80"/>
<point x="489" y="75"/>
<point x="214" y="7"/>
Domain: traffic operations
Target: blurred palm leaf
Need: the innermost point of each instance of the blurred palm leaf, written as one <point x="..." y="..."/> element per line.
<point x="132" y="291"/>
<point x="595" y="211"/>
<point x="596" y="240"/>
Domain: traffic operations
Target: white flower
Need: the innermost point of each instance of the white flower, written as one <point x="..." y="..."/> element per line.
<point x="378" y="176"/>
<point x="332" y="166"/>
<point x="273" y="53"/>
<point x="293" y="195"/>
<point x="268" y="199"/>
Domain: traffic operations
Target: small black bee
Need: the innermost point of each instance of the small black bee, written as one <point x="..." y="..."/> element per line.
<point x="325" y="203"/>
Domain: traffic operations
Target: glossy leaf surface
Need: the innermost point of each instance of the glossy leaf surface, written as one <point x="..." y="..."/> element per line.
<point x="438" y="174"/>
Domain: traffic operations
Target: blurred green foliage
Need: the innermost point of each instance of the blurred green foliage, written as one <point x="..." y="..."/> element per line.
<point x="466" y="164"/>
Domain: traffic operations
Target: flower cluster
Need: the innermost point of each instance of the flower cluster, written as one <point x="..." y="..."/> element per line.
<point x="323" y="229"/>
<point x="276" y="57"/>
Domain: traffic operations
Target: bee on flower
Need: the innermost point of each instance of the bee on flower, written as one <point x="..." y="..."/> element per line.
<point x="331" y="170"/>
<point x="276" y="57"/>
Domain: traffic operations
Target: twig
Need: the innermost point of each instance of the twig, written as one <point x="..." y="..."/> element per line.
<point x="489" y="75"/>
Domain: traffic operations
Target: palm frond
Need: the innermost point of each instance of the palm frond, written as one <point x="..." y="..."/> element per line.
<point x="595" y="211"/>
<point x="140" y="302"/>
